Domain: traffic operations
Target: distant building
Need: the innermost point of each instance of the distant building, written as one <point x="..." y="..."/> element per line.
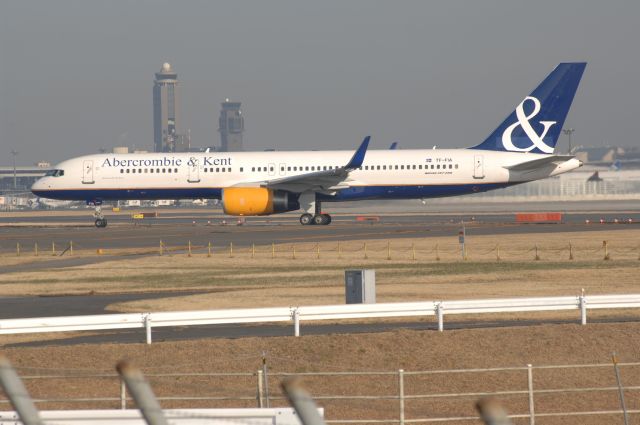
<point x="166" y="120"/>
<point x="231" y="124"/>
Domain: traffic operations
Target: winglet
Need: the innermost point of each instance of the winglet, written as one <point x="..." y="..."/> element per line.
<point x="393" y="146"/>
<point x="358" y="158"/>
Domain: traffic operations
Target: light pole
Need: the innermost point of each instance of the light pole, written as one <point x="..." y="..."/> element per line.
<point x="15" y="180"/>
<point x="569" y="132"/>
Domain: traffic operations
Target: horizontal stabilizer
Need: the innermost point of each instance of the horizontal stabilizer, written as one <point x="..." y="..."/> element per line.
<point x="540" y="162"/>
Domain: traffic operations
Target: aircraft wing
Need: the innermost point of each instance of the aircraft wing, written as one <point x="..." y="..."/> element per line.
<point x="325" y="180"/>
<point x="540" y="162"/>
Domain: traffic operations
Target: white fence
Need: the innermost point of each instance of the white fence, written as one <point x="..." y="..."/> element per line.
<point x="278" y="416"/>
<point x="316" y="313"/>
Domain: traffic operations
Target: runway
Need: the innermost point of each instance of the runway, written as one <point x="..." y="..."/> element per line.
<point x="177" y="228"/>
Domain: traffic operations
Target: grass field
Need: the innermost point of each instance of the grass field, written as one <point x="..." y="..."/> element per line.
<point x="496" y="267"/>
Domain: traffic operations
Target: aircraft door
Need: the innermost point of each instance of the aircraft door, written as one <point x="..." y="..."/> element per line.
<point x="87" y="172"/>
<point x="283" y="169"/>
<point x="194" y="170"/>
<point x="272" y="169"/>
<point x="478" y="167"/>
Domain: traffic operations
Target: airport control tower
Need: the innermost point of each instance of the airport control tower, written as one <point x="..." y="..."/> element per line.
<point x="166" y="135"/>
<point x="231" y="127"/>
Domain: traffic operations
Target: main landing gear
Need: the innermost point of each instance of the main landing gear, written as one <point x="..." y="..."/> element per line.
<point x="100" y="220"/>
<point x="310" y="204"/>
<point x="320" y="219"/>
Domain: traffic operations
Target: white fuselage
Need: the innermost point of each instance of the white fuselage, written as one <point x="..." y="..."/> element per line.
<point x="390" y="174"/>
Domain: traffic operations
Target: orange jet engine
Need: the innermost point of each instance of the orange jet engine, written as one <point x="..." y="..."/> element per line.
<point x="257" y="201"/>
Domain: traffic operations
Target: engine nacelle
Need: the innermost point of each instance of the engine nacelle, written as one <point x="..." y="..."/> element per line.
<point x="257" y="201"/>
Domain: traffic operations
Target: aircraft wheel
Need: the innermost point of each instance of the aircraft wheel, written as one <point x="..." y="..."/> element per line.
<point x="306" y="219"/>
<point x="319" y="219"/>
<point x="101" y="222"/>
<point x="327" y="219"/>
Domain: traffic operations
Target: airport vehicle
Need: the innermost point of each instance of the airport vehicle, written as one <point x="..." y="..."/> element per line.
<point x="520" y="150"/>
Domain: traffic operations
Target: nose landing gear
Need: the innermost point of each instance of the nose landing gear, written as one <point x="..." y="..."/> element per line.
<point x="100" y="220"/>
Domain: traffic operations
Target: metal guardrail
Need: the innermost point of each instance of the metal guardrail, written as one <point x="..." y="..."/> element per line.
<point x="316" y="313"/>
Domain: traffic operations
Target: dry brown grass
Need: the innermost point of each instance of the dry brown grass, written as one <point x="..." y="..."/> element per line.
<point x="410" y="350"/>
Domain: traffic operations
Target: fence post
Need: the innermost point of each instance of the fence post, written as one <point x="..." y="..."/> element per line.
<point x="570" y="251"/>
<point x="365" y="251"/>
<point x="413" y="251"/>
<point x="253" y="250"/>
<point x="388" y="250"/>
<point x="123" y="395"/>
<point x="35" y="248"/>
<point x="582" y="301"/>
<point x="189" y="253"/>
<point x="53" y="248"/>
<point x="160" y="250"/>
<point x="293" y="251"/>
<point x="620" y="389"/>
<point x="606" y="250"/>
<point x="537" y="257"/>
<point x="209" y="249"/>
<point x="318" y="250"/>
<point x="401" y="394"/>
<point x="273" y="250"/>
<point x="437" y="253"/>
<point x="296" y="323"/>
<point x="265" y="375"/>
<point x="532" y="415"/>
<point x="260" y="390"/>
<point x="70" y="247"/>
<point x="230" y="249"/>
<point x="498" y="252"/>
<point x="147" y="327"/>
<point x="440" y="314"/>
<point x="17" y="249"/>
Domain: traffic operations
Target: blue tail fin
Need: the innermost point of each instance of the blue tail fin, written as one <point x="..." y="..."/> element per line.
<point x="536" y="123"/>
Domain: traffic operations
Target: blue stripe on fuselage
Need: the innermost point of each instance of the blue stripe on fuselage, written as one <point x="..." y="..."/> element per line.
<point x="350" y="194"/>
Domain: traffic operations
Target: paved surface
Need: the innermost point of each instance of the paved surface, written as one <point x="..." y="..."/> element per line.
<point x="176" y="229"/>
<point x="76" y="305"/>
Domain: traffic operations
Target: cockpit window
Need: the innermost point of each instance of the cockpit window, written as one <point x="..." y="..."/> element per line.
<point x="54" y="173"/>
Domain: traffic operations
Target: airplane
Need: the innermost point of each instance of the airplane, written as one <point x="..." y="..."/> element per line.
<point x="519" y="150"/>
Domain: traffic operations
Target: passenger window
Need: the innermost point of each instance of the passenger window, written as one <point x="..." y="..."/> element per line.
<point x="218" y="170"/>
<point x="127" y="171"/>
<point x="121" y="171"/>
<point x="169" y="170"/>
<point x="270" y="168"/>
<point x="378" y="167"/>
<point x="164" y="170"/>
<point x="140" y="170"/>
<point x="432" y="166"/>
<point x="133" y="171"/>
<point x="414" y="166"/>
<point x="396" y="167"/>
<point x="175" y="170"/>
<point x="288" y="168"/>
<point x="306" y="168"/>
<point x="146" y="171"/>
<point x="241" y="169"/>
<point x="456" y="166"/>
<point x="420" y="166"/>
<point x="151" y="171"/>
<point x="384" y="167"/>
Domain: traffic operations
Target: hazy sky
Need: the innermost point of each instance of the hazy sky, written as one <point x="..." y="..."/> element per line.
<point x="77" y="76"/>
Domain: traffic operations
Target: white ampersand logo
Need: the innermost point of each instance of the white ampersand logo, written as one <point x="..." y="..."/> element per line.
<point x="523" y="121"/>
